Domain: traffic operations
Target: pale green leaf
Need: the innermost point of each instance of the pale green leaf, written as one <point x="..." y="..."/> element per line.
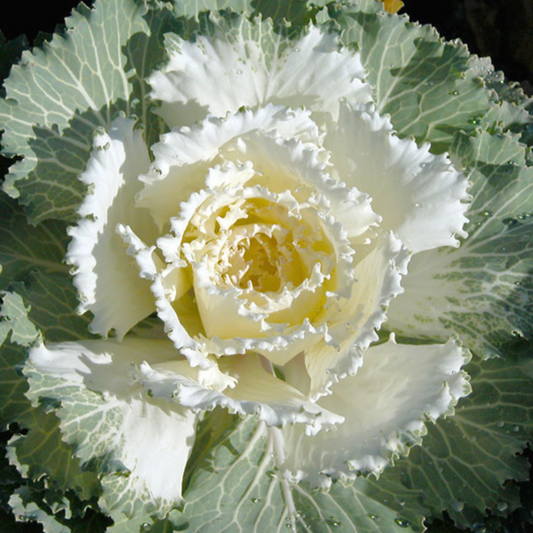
<point x="26" y="509"/>
<point x="32" y="266"/>
<point x="363" y="506"/>
<point x="510" y="112"/>
<point x="236" y="488"/>
<point x="466" y="459"/>
<point x="14" y="313"/>
<point x="192" y="8"/>
<point x="60" y="93"/>
<point x="127" y="524"/>
<point x="56" y="511"/>
<point x="105" y="427"/>
<point x="161" y="526"/>
<point x="423" y="82"/>
<point x="41" y="451"/>
<point x="89" y="420"/>
<point x="145" y="51"/>
<point x="295" y="12"/>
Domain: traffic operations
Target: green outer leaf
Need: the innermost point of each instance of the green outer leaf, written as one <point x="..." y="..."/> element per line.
<point x="466" y="459"/>
<point x="9" y="477"/>
<point x="210" y="432"/>
<point x="32" y="261"/>
<point x="23" y="248"/>
<point x="93" y="423"/>
<point x="363" y="506"/>
<point x="126" y="524"/>
<point x="42" y="451"/>
<point x="145" y="51"/>
<point x="91" y="522"/>
<point x="52" y="306"/>
<point x="236" y="487"/>
<point x="192" y="8"/>
<point x="482" y="291"/>
<point x="162" y="526"/>
<point x="84" y="413"/>
<point x="13" y="403"/>
<point x="297" y="12"/>
<point x="423" y="82"/>
<point x="58" y="95"/>
<point x="510" y="112"/>
<point x="56" y="511"/>
<point x="25" y="508"/>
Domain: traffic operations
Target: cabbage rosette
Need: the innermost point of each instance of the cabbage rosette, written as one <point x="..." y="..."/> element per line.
<point x="267" y="231"/>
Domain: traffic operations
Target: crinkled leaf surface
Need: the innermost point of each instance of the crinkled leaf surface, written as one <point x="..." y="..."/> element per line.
<point x="466" y="459"/>
<point x="55" y="511"/>
<point x="423" y="82"/>
<point x="88" y="421"/>
<point x="298" y="12"/>
<point x="42" y="452"/>
<point x="58" y="95"/>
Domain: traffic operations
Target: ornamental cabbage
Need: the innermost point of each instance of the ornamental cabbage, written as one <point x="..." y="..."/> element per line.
<point x="269" y="241"/>
<point x="251" y="254"/>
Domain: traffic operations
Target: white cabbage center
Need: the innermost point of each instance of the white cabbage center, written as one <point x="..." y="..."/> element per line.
<point x="253" y="246"/>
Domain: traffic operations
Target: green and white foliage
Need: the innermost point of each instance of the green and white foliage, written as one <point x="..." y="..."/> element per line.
<point x="467" y="459"/>
<point x="173" y="423"/>
<point x="487" y="297"/>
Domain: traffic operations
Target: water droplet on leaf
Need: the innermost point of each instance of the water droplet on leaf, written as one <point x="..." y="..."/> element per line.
<point x="502" y="506"/>
<point x="458" y="505"/>
<point x="510" y="222"/>
<point x="402" y="523"/>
